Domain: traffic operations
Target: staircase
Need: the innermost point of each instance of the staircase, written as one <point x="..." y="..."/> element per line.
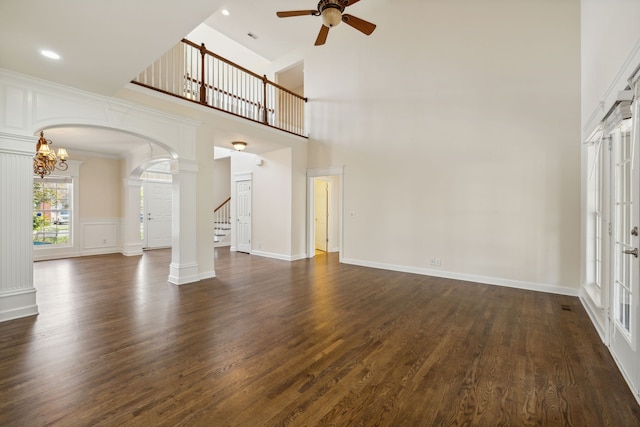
<point x="222" y="224"/>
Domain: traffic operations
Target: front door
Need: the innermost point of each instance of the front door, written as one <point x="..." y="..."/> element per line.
<point x="243" y="213"/>
<point x="158" y="197"/>
<point x="624" y="297"/>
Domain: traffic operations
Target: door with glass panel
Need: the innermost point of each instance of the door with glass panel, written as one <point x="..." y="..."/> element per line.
<point x="624" y="296"/>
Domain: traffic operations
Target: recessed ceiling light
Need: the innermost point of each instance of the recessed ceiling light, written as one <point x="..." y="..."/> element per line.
<point x="225" y="12"/>
<point x="49" y="54"/>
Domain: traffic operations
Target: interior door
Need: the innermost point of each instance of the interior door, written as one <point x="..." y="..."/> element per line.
<point x="158" y="197"/>
<point x="243" y="212"/>
<point x="322" y="215"/>
<point x="624" y="292"/>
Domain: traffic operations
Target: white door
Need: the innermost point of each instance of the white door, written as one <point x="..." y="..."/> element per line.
<point x="624" y="292"/>
<point x="322" y="215"/>
<point x="158" y="196"/>
<point x="243" y="212"/>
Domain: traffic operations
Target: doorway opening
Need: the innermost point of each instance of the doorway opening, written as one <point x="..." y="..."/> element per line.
<point x="155" y="207"/>
<point x="324" y="212"/>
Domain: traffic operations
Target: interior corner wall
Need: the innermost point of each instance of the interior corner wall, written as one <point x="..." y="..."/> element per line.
<point x="460" y="139"/>
<point x="271" y="205"/>
<point x="299" y="201"/>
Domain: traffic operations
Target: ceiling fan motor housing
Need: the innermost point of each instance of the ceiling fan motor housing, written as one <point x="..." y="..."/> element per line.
<point x="331" y="11"/>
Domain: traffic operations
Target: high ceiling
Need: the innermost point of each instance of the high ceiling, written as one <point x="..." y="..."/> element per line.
<point x="103" y="44"/>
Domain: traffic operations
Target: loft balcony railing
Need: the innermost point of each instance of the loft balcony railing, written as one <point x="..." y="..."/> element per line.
<point x="192" y="72"/>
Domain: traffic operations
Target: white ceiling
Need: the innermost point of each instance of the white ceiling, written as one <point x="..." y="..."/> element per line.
<point x="276" y="36"/>
<point x="104" y="44"/>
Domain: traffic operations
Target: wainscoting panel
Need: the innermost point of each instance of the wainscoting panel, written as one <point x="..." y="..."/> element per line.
<point x="99" y="236"/>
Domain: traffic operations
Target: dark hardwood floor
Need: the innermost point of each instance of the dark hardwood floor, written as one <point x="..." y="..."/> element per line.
<point x="307" y="343"/>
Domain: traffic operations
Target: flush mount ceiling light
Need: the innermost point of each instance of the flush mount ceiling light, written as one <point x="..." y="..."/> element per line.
<point x="49" y="54"/>
<point x="225" y="12"/>
<point x="239" y="145"/>
<point x="45" y="160"/>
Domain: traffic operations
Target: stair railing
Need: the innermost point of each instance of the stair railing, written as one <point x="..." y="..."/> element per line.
<point x="193" y="72"/>
<point x="222" y="220"/>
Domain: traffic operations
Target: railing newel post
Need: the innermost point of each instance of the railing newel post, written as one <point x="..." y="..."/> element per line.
<point x="264" y="98"/>
<point x="203" y="87"/>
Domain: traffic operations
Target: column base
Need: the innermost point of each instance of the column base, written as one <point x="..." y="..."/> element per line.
<point x="182" y="274"/>
<point x="17" y="304"/>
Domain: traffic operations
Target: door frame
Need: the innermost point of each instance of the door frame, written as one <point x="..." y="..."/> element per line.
<point x="312" y="175"/>
<point x="329" y="225"/>
<point x="145" y="205"/>
<point x="239" y="177"/>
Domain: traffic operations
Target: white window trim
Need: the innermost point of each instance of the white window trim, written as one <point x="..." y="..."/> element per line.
<point x="44" y="252"/>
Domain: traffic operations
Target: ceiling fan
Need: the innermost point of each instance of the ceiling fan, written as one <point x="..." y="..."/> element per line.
<point x="332" y="14"/>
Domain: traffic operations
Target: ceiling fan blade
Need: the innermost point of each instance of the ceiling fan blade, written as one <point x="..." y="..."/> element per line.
<point x="322" y="35"/>
<point x="359" y="24"/>
<point x="349" y="2"/>
<point x="291" y="13"/>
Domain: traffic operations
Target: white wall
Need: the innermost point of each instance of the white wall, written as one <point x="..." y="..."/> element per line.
<point x="610" y="53"/>
<point x="459" y="136"/>
<point x="228" y="49"/>
<point x="278" y="200"/>
<point x="221" y="180"/>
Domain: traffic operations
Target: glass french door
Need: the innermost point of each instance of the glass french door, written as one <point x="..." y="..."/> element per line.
<point x="624" y="297"/>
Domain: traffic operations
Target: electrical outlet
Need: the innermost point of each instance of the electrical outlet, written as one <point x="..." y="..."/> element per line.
<point x="436" y="262"/>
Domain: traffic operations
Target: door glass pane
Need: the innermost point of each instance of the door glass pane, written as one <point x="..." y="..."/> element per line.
<point x="623" y="217"/>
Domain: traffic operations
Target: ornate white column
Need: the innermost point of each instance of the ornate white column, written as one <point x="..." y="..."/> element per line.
<point x="131" y="243"/>
<point x="184" y="265"/>
<point x="17" y="293"/>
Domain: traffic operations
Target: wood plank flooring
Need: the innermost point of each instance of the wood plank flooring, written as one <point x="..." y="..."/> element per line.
<point x="308" y="343"/>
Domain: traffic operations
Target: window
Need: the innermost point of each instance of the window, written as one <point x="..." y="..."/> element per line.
<point x="52" y="211"/>
<point x="596" y="216"/>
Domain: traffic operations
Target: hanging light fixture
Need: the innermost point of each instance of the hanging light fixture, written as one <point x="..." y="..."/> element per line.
<point x="239" y="145"/>
<point x="331" y="12"/>
<point x="45" y="160"/>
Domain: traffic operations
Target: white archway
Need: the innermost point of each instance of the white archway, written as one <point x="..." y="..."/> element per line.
<point x="31" y="105"/>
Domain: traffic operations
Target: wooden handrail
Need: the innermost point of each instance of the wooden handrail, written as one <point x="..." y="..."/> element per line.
<point x="193" y="73"/>
<point x="203" y="49"/>
<point x="222" y="204"/>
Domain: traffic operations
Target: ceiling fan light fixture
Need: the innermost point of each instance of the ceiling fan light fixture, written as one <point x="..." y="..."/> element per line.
<point x="331" y="16"/>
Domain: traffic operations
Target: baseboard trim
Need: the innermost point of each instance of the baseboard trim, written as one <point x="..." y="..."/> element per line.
<point x="207" y="275"/>
<point x="529" y="286"/>
<point x="278" y="256"/>
<point x="17" y="304"/>
<point x="590" y="309"/>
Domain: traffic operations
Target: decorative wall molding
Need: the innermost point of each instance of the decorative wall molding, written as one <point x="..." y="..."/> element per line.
<point x="100" y="236"/>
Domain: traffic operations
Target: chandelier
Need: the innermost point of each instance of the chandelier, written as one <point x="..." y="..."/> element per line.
<point x="46" y="161"/>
